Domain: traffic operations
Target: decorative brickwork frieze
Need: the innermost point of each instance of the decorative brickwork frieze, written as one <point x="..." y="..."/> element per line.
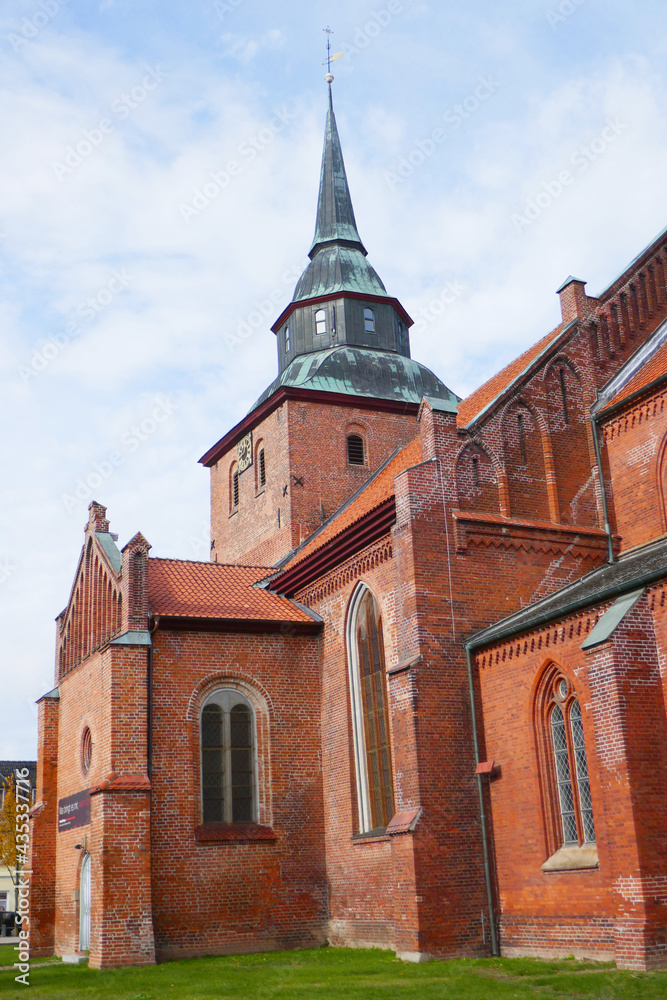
<point x="635" y="416"/>
<point x="364" y="561"/>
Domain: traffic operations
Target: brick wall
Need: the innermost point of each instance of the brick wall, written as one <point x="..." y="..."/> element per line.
<point x="238" y="896"/>
<point x="304" y="440"/>
<point x="634" y="456"/>
<point x="618" y="910"/>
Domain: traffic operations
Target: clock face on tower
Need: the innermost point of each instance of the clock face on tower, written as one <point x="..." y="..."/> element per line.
<point x="244" y="452"/>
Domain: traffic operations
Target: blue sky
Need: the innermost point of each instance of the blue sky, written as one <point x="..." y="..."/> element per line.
<point x="140" y="276"/>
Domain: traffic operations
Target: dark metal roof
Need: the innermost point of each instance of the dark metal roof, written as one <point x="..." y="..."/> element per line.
<point x="335" y="215"/>
<point x="8" y="767"/>
<point x="357" y="371"/>
<point x="637" y="568"/>
<point x="629" y="370"/>
<point x="338" y="268"/>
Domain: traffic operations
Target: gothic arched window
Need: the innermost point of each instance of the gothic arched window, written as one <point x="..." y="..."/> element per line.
<point x="228" y="771"/>
<point x="370" y="716"/>
<point x="571" y="766"/>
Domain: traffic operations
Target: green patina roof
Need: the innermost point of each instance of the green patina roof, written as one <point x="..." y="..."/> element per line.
<point x="356" y="371"/>
<point x="337" y="256"/>
<point x="338" y="269"/>
<point x="110" y="549"/>
<point x="335" y="215"/>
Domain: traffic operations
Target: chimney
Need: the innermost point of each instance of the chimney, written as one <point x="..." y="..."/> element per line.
<point x="573" y="299"/>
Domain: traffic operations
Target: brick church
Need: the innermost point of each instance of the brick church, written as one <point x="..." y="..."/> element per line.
<point x="416" y="698"/>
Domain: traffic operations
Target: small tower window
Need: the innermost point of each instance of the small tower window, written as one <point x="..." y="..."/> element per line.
<point x="369" y="321"/>
<point x="262" y="468"/>
<point x="235" y="490"/>
<point x="320" y="322"/>
<point x="355" y="449"/>
<point x="400" y="330"/>
<point x="287" y="340"/>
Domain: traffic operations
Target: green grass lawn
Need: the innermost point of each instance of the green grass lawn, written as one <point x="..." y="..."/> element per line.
<point x="333" y="974"/>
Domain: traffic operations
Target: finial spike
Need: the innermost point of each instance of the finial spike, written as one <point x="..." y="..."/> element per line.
<point x="329" y="77"/>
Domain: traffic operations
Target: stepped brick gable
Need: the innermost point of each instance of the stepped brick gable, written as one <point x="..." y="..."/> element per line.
<point x="416" y="699"/>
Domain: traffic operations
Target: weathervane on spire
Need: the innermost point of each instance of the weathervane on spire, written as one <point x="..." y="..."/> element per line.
<point x="329" y="59"/>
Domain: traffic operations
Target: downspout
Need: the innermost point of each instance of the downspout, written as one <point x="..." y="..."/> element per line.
<point x="149" y="700"/>
<point x="611" y="558"/>
<point x="482" y="810"/>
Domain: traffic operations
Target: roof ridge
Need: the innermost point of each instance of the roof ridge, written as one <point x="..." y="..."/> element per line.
<point x="523" y="617"/>
<point x="343" y="507"/>
<point x="206" y="562"/>
<point x="294" y="557"/>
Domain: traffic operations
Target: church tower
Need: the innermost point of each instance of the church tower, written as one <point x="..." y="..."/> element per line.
<point x="345" y="398"/>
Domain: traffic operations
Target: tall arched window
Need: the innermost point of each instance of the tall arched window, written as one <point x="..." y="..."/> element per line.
<point x="370" y="716"/>
<point x="228" y="772"/>
<point x="569" y="753"/>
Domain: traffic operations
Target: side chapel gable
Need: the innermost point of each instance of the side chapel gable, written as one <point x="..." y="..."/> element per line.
<point x="109" y="595"/>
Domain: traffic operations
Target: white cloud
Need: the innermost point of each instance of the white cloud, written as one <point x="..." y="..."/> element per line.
<point x="193" y="285"/>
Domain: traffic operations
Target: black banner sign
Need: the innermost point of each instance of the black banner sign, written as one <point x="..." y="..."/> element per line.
<point x="73" y="811"/>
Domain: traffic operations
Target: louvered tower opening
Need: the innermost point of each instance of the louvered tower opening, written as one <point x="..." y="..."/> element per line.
<point x="355" y="449"/>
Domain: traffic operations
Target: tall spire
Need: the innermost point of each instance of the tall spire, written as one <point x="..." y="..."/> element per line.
<point x="335" y="215"/>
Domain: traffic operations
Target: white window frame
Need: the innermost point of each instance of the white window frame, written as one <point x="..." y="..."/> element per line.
<point x="227" y="699"/>
<point x="320" y="318"/>
<point x="358" y="733"/>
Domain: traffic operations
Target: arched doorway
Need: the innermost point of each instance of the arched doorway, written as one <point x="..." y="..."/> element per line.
<point x="84" y="905"/>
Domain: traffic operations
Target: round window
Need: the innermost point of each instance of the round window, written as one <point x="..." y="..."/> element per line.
<point x="562" y="688"/>
<point x="86" y="750"/>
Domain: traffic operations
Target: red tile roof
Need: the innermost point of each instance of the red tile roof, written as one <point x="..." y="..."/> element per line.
<point x="472" y="406"/>
<point x="655" y="368"/>
<point x="376" y="492"/>
<point x="182" y="589"/>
